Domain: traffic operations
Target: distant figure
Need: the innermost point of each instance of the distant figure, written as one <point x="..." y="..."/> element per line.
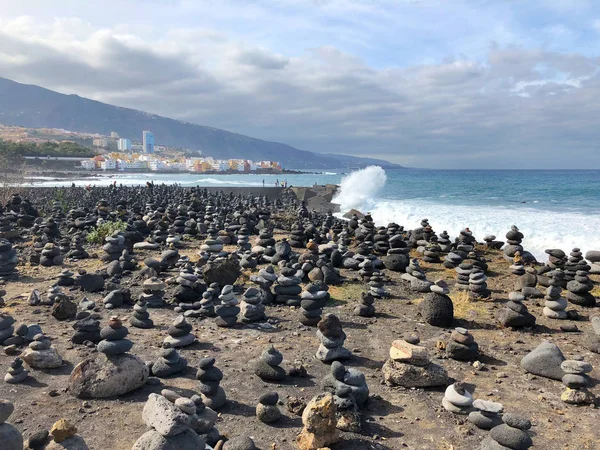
<point x="72" y="185"/>
<point x="263" y="182"/>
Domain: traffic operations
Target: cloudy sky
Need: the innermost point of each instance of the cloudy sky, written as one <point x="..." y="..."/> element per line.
<point x="425" y="83"/>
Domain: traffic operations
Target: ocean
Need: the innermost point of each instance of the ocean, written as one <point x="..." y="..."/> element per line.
<point x="553" y="208"/>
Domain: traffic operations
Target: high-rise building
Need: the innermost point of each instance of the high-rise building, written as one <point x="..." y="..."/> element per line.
<point x="148" y="141"/>
<point x="114" y="135"/>
<point x="124" y="145"/>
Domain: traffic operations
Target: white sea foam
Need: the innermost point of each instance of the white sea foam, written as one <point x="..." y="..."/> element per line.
<point x="229" y="182"/>
<point x="359" y="189"/>
<point x="542" y="229"/>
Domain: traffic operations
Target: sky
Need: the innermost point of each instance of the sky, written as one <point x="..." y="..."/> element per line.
<point x="423" y="83"/>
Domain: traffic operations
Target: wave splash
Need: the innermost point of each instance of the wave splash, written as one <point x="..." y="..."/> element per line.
<point x="360" y="189"/>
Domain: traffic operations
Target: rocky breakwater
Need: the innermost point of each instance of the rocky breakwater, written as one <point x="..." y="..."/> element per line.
<point x="112" y="371"/>
<point x="409" y="366"/>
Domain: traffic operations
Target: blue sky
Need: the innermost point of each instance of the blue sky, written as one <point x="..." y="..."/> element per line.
<point x="430" y="83"/>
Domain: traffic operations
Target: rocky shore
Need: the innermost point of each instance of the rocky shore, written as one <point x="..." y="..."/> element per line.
<point x="239" y="318"/>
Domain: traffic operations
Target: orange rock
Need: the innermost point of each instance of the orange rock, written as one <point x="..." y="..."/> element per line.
<point x="319" y="419"/>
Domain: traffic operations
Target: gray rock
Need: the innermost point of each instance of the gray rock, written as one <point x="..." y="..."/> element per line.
<point x="10" y="437"/>
<point x="164" y="416"/>
<point x="511" y="437"/>
<point x="240" y="443"/>
<point x="153" y="440"/>
<point x="545" y="361"/>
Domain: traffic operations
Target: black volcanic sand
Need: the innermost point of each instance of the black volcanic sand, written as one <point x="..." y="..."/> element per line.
<point x="394" y="418"/>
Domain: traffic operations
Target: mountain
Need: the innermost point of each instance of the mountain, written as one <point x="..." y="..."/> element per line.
<point x="36" y="107"/>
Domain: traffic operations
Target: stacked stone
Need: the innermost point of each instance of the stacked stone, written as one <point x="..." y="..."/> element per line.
<point x="243" y="239"/>
<point x="465" y="242"/>
<point x="113" y="338"/>
<point x="54" y="295"/>
<point x="457" y="399"/>
<point x="376" y="288"/>
<point x="41" y="354"/>
<point x="511" y="434"/>
<point x="314" y="299"/>
<point x="190" y="227"/>
<point x="267" y="366"/>
<point x="579" y="289"/>
<point x="491" y="242"/>
<point x="51" y="256"/>
<point x="103" y="209"/>
<point x="555" y="305"/>
<point x="487" y="414"/>
<point x="214" y="290"/>
<point x="415" y="275"/>
<point x="63" y="245"/>
<point x="432" y="251"/>
<point x="462" y="346"/>
<point x="557" y="259"/>
<point x="298" y="236"/>
<point x="267" y="410"/>
<point x="127" y="261"/>
<point x="518" y="267"/>
<point x="527" y="284"/>
<point x="409" y="366"/>
<point x="288" y="288"/>
<point x="141" y="317"/>
<point x="366" y="269"/>
<point x="574" y="263"/>
<point x="365" y="307"/>
<point x="16" y="373"/>
<point x="515" y="313"/>
<point x="381" y="240"/>
<point x="203" y="308"/>
<point x="179" y="334"/>
<point x="212" y="244"/>
<point x="332" y="337"/>
<point x="249" y="260"/>
<point x="265" y="239"/>
<point x="10" y="437"/>
<point x="86" y="329"/>
<point x="204" y="425"/>
<point x="444" y="242"/>
<point x="153" y="293"/>
<point x="115" y="244"/>
<point x="251" y="307"/>
<point x="168" y="363"/>
<point x="210" y="378"/>
<point x="576" y="381"/>
<point x="6" y="228"/>
<point x="188" y="289"/>
<point x="265" y="279"/>
<point x="513" y="243"/>
<point x="228" y="310"/>
<point x="169" y="423"/>
<point x="478" y="288"/>
<point x="65" y="278"/>
<point x="347" y="415"/>
<point x="354" y="379"/>
<point x="453" y="259"/>
<point x="50" y="230"/>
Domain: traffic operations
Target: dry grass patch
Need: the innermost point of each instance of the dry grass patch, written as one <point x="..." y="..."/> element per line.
<point x="347" y="292"/>
<point x="465" y="308"/>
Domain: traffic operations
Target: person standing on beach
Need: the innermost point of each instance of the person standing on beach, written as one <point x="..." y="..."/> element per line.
<point x="263" y="182"/>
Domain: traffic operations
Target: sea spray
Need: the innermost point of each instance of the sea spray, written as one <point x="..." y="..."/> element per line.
<point x="360" y="189"/>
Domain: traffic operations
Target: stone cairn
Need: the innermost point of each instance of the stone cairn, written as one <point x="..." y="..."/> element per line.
<point x="376" y="288"/>
<point x="203" y="308"/>
<point x="265" y="279"/>
<point x="574" y="263"/>
<point x="8" y="260"/>
<point x="416" y="276"/>
<point x="76" y="248"/>
<point x="511" y="434"/>
<point x="478" y="288"/>
<point x="179" y="334"/>
<point x="168" y="363"/>
<point x="212" y="244"/>
<point x="462" y="346"/>
<point x="518" y="267"/>
<point x="210" y="378"/>
<point x="409" y="366"/>
<point x="332" y="337"/>
<point x="365" y="306"/>
<point x="115" y="244"/>
<point x="65" y="278"/>
<point x="6" y="326"/>
<point x="16" y="373"/>
<point x="86" y="329"/>
<point x="267" y="410"/>
<point x="515" y="313"/>
<point x="492" y="243"/>
<point x="10" y="437"/>
<point x="204" y="425"/>
<point x="432" y="251"/>
<point x="288" y="289"/>
<point x="555" y="305"/>
<point x="463" y="275"/>
<point x="576" y="381"/>
<point x="169" y="423"/>
<point x="51" y="256"/>
<point x="579" y="289"/>
<point x="113" y="338"/>
<point x="486" y="415"/>
<point x="527" y="284"/>
<point x="228" y="310"/>
<point x="513" y="243"/>
<point x="457" y="399"/>
<point x="267" y="366"/>
<point x="187" y="291"/>
<point x="347" y="377"/>
<point x="141" y="317"/>
<point x="153" y="292"/>
<point x="314" y="299"/>
<point x="249" y="260"/>
<point x="366" y="270"/>
<point x="41" y="354"/>
<point x="251" y="308"/>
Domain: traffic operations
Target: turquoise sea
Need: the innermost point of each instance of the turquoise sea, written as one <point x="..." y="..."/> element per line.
<point x="553" y="208"/>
